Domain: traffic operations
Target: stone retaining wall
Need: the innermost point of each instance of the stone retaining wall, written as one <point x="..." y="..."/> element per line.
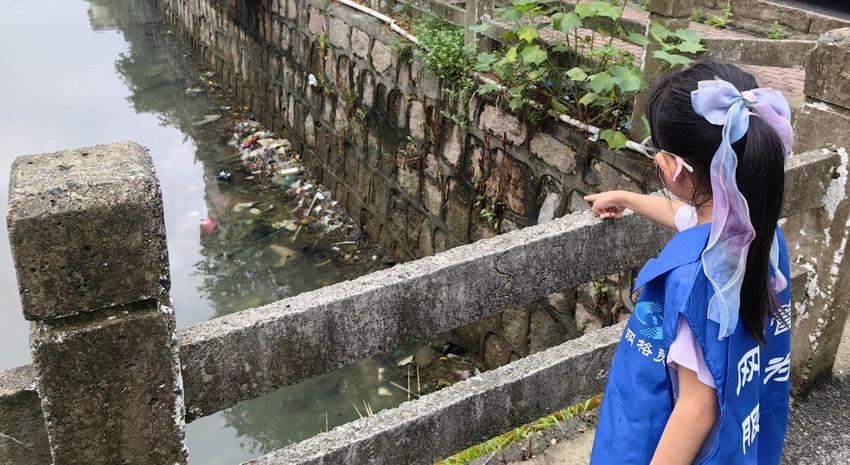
<point x="373" y="130"/>
<point x="759" y="15"/>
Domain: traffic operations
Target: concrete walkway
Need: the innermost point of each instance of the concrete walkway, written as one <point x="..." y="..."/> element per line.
<point x="819" y="429"/>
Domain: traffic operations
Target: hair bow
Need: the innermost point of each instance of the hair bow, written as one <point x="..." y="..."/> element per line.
<point x="725" y="257"/>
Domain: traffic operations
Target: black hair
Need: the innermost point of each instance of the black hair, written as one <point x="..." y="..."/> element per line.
<point x="678" y="129"/>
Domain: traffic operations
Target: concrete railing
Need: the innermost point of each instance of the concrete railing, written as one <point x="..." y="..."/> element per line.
<point x="303" y="336"/>
<point x="114" y="382"/>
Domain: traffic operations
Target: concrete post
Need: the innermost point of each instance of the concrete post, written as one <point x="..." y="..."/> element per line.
<point x="672" y="14"/>
<point x="476" y="10"/>
<point x="820" y="238"/>
<point x="88" y="240"/>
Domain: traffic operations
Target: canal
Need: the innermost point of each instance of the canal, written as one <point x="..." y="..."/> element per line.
<point x="75" y="73"/>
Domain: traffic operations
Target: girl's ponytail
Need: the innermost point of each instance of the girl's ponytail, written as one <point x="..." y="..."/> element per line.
<point x="761" y="179"/>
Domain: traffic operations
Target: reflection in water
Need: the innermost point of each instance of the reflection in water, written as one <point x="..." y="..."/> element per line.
<point x="245" y="262"/>
<point x="88" y="72"/>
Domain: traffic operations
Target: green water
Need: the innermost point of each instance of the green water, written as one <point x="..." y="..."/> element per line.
<point x="75" y="73"/>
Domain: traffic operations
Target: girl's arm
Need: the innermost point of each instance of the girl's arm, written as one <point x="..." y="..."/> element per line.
<point x="689" y="425"/>
<point x="610" y="205"/>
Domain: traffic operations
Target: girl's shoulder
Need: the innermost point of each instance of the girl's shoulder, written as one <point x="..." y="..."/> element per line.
<point x="683" y="252"/>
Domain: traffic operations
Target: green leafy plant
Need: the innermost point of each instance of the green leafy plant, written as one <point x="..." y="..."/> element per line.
<point x="777" y="32"/>
<point x="718" y="22"/>
<point x="489" y="210"/>
<point x="728" y="11"/>
<point x="443" y="52"/>
<point x="402" y="49"/>
<point x="584" y="75"/>
<point x="699" y="16"/>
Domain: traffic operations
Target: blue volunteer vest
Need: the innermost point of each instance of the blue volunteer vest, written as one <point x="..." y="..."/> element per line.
<point x="752" y="380"/>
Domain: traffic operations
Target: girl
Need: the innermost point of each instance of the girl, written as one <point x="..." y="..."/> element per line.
<point x="701" y="373"/>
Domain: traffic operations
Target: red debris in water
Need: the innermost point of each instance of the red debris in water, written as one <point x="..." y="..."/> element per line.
<point x="208" y="226"/>
<point x="250" y="142"/>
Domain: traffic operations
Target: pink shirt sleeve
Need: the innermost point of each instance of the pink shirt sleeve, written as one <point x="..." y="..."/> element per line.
<point x="685" y="352"/>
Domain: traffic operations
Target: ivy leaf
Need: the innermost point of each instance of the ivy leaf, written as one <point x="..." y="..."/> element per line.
<point x="511" y="14"/>
<point x="511" y="55"/>
<point x="488" y="88"/>
<point x="485" y="61"/>
<point x="585" y="10"/>
<point x="565" y="22"/>
<point x="601" y="82"/>
<point x="561" y="47"/>
<point x="479" y="28"/>
<point x="628" y="79"/>
<point x="607" y="10"/>
<point x="659" y="32"/>
<point x="533" y="54"/>
<point x="587" y="99"/>
<point x="614" y="139"/>
<point x="535" y="75"/>
<point x="672" y="59"/>
<point x="526" y="6"/>
<point x="558" y="106"/>
<point x="577" y="74"/>
<point x="638" y="39"/>
<point x="515" y="104"/>
<point x="690" y="47"/>
<point x="528" y="33"/>
<point x="687" y="35"/>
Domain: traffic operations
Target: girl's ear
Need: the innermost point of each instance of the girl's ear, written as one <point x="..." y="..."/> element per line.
<point x="667" y="165"/>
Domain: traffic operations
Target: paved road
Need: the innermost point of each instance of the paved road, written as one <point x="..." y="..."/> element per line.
<point x="819" y="429"/>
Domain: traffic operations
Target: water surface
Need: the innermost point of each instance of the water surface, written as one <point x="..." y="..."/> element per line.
<point x="75" y="73"/>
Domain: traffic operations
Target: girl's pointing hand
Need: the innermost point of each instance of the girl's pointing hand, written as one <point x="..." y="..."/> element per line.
<point x="606" y="205"/>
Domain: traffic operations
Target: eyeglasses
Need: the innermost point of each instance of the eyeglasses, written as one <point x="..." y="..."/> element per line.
<point x="649" y="150"/>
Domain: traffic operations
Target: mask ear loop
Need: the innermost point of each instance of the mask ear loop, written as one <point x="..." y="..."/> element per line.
<point x="680" y="164"/>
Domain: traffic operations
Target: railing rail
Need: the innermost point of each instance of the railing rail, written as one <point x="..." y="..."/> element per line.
<point x="108" y="331"/>
<point x="315" y="332"/>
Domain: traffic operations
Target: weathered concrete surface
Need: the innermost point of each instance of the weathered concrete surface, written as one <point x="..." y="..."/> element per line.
<point x="672" y="8"/>
<point x="86" y="229"/>
<point x="760" y="52"/>
<point x="315" y="332"/>
<point x="828" y="69"/>
<point x="110" y="387"/>
<point x="819" y="427"/>
<point x="821" y="238"/>
<point x="312" y="333"/>
<point x="573" y="451"/>
<point x="447" y="421"/>
<point x="820" y="123"/>
<point x="290" y="339"/>
<point x="808" y="177"/>
<point x="88" y="241"/>
<point x="23" y="438"/>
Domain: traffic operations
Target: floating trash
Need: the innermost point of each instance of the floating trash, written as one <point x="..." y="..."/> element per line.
<point x="206" y="120"/>
<point x="243" y="206"/>
<point x="208" y="226"/>
<point x="194" y="91"/>
<point x="224" y="175"/>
